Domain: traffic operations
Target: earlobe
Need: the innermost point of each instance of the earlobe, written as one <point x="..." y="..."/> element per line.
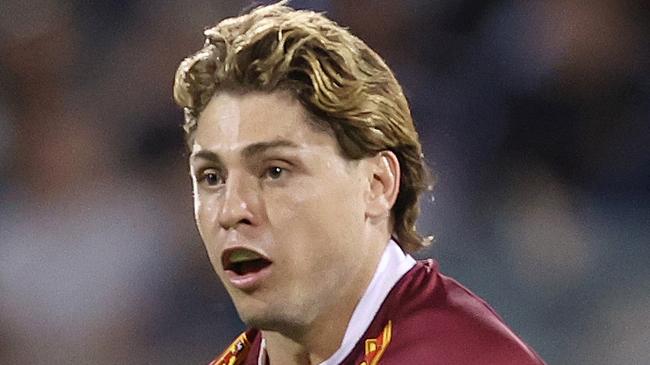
<point x="384" y="183"/>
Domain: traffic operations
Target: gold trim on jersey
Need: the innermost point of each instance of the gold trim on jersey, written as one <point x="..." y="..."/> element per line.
<point x="375" y="347"/>
<point x="236" y="353"/>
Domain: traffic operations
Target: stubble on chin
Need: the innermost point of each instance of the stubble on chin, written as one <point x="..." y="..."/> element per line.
<point x="285" y="322"/>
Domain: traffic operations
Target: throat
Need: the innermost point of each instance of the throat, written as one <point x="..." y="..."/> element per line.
<point x="282" y="350"/>
<point x="308" y="346"/>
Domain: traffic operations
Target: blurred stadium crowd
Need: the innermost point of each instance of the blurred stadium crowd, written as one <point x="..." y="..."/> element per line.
<point x="534" y="115"/>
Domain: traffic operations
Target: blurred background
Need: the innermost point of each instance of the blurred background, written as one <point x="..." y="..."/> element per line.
<point x="534" y="115"/>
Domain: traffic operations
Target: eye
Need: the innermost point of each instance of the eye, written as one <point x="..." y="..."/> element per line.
<point x="211" y="177"/>
<point x="274" y="172"/>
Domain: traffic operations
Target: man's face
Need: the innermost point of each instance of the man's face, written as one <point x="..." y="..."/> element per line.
<point x="280" y="210"/>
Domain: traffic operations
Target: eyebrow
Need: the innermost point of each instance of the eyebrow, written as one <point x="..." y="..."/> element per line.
<point x="248" y="151"/>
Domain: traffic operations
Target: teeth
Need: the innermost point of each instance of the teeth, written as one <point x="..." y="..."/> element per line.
<point x="243" y="255"/>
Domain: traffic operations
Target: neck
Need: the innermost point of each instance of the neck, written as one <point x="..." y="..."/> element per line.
<point x="313" y="347"/>
<point x="324" y="335"/>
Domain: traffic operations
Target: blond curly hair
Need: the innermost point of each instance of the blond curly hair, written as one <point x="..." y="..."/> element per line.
<point x="341" y="82"/>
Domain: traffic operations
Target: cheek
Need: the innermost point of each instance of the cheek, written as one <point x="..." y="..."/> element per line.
<point x="197" y="203"/>
<point x="206" y="217"/>
<point x="209" y="234"/>
<point x="312" y="219"/>
<point x="297" y="207"/>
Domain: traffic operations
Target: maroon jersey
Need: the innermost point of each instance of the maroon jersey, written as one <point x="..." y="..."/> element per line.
<point x="427" y="318"/>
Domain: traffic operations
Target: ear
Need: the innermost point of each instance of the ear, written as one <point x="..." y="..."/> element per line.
<point x="384" y="183"/>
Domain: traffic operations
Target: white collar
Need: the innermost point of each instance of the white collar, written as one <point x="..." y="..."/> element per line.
<point x="394" y="263"/>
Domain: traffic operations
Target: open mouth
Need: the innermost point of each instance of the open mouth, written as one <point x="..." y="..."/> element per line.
<point x="242" y="261"/>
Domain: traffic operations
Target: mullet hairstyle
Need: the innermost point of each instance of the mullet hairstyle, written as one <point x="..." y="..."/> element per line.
<point x="342" y="83"/>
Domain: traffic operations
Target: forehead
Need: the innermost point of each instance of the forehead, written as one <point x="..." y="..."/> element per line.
<point x="232" y="121"/>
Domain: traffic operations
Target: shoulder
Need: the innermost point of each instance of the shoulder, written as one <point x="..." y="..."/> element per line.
<point x="240" y="351"/>
<point x="435" y="317"/>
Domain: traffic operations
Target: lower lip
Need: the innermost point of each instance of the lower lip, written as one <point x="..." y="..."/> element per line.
<point x="250" y="281"/>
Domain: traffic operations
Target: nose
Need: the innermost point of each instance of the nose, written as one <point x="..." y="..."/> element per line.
<point x="237" y="205"/>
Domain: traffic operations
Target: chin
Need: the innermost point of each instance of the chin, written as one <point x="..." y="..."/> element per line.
<point x="276" y="321"/>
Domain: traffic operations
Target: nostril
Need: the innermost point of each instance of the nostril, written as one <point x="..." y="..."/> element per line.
<point x="243" y="221"/>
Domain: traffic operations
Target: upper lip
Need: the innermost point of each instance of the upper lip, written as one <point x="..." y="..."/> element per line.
<point x="228" y="253"/>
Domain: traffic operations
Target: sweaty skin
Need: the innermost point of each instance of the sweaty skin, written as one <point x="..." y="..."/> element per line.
<point x="267" y="180"/>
